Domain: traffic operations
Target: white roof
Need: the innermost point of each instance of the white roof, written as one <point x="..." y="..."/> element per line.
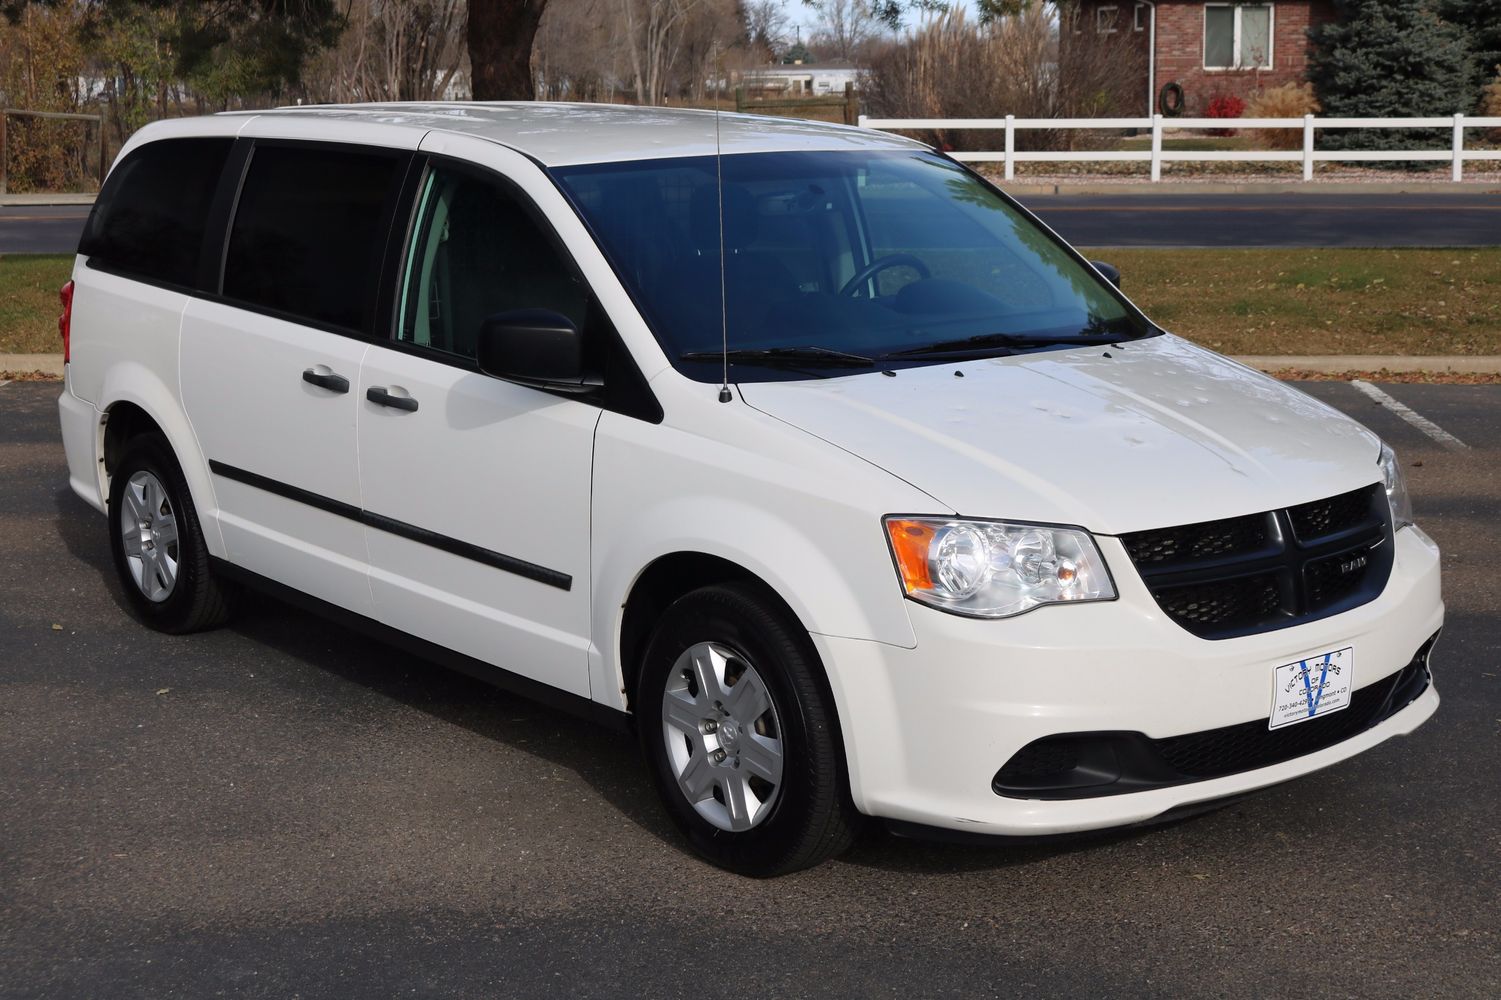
<point x="561" y="134"/>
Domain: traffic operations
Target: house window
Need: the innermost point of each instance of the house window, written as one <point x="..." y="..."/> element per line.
<point x="1104" y="20"/>
<point x="1238" y="37"/>
<point x="1139" y="17"/>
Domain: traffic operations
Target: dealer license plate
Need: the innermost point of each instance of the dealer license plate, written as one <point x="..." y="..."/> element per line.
<point x="1311" y="688"/>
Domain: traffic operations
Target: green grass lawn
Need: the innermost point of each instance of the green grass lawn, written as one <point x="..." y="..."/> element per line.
<point x="1235" y="301"/>
<point x="1320" y="301"/>
<point x="28" y="302"/>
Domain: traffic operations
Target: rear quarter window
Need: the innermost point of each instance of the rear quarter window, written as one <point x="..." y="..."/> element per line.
<point x="150" y="216"/>
<point x="309" y="232"/>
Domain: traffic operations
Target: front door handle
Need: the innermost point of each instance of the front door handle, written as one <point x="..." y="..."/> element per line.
<point x="379" y="395"/>
<point x="325" y="379"/>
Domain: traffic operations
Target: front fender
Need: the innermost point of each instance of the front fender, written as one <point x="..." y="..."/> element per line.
<point x="802" y="517"/>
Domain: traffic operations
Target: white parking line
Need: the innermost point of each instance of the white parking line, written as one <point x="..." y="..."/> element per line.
<point x="4" y="383"/>
<point x="1410" y="415"/>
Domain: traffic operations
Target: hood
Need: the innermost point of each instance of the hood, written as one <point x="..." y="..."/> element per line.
<point x="1154" y="433"/>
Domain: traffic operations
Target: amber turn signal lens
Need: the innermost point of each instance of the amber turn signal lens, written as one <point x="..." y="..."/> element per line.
<point x="910" y="541"/>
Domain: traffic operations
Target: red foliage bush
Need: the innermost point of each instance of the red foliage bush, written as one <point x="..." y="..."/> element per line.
<point x="1225" y="106"/>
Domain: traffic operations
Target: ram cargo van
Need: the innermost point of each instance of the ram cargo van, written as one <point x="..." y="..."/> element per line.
<point x="801" y="450"/>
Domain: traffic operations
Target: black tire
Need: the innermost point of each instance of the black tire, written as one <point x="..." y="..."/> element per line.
<point x="196" y="600"/>
<point x="1170" y="99"/>
<point x="811" y="817"/>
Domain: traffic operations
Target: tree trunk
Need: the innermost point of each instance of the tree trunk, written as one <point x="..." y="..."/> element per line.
<point x="500" y="48"/>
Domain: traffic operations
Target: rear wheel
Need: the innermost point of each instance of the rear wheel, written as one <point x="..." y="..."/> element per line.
<point x="157" y="542"/>
<point x="740" y="734"/>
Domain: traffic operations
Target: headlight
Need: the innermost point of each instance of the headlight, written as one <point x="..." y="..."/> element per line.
<point x="1396" y="489"/>
<point x="993" y="569"/>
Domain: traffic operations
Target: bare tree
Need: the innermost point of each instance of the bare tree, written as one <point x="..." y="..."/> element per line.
<point x="950" y="67"/>
<point x="654" y="36"/>
<point x="392" y="50"/>
<point x="843" y="27"/>
<point x="650" y="51"/>
<point x="765" y="28"/>
<point x="578" y="53"/>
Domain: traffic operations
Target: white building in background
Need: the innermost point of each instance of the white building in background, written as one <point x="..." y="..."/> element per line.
<point x="802" y="79"/>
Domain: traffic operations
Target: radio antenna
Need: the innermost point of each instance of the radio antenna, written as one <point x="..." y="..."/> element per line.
<point x="725" y="395"/>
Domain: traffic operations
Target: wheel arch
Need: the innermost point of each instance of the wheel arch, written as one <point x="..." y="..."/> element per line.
<point x="139" y="403"/>
<point x="666" y="579"/>
<point x="673" y="576"/>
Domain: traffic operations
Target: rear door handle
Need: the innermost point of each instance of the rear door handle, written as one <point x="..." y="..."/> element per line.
<point x="379" y="395"/>
<point x="325" y="379"/>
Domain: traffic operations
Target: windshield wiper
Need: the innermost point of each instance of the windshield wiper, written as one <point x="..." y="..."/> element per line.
<point x="800" y="357"/>
<point x="986" y="342"/>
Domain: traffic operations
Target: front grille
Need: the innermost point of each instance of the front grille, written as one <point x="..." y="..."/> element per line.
<point x="1258" y="572"/>
<point x="1248" y="598"/>
<point x="1326" y="517"/>
<point x="1199" y="541"/>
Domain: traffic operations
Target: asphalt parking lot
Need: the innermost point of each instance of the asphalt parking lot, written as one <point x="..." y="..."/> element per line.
<point x="281" y="808"/>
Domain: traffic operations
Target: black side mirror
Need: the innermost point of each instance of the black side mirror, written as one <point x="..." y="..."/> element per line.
<point x="533" y="346"/>
<point x="1110" y="271"/>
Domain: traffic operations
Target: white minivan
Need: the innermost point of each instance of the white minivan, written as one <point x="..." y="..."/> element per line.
<point x="800" y="449"/>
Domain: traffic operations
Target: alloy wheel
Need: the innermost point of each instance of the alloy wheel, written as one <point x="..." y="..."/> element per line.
<point x="148" y="529"/>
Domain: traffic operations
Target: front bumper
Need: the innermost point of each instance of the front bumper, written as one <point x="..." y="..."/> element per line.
<point x="926" y="729"/>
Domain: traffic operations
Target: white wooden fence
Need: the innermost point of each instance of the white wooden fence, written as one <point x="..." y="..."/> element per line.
<point x="1010" y="156"/>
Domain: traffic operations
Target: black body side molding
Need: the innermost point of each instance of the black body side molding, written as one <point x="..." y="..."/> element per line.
<point x="453" y="546"/>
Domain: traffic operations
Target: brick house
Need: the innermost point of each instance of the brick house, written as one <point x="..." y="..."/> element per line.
<point x="1208" y="48"/>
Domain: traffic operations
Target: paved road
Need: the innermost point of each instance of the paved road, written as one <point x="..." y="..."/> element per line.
<point x="1275" y="220"/>
<point x="1242" y="220"/>
<point x="41" y="228"/>
<point x="281" y="809"/>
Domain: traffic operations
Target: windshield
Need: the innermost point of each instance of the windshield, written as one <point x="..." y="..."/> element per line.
<point x="837" y="259"/>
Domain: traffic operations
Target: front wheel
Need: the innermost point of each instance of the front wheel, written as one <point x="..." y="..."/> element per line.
<point x="740" y="734"/>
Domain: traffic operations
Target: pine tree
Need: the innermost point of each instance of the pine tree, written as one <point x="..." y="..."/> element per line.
<point x="1481" y="21"/>
<point x="1387" y="59"/>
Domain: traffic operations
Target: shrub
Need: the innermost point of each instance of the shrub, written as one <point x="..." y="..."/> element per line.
<point x="950" y="67"/>
<point x="1291" y="100"/>
<point x="1490" y="104"/>
<point x="1225" y="106"/>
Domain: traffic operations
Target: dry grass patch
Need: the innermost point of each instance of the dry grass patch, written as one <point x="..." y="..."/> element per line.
<point x="1407" y="302"/>
<point x="1410" y="302"/>
<point x="28" y="302"/>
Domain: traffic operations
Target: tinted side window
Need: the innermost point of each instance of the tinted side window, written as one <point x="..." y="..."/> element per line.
<point x="150" y="216"/>
<point x="475" y="252"/>
<point x="309" y="232"/>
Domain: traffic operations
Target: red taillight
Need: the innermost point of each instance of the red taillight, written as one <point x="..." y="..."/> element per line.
<point x="65" y="321"/>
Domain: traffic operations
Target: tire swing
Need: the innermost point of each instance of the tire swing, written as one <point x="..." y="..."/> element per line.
<point x="1170" y="100"/>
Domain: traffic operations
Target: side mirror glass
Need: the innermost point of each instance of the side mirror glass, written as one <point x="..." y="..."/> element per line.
<point x="532" y="346"/>
<point x="1110" y="271"/>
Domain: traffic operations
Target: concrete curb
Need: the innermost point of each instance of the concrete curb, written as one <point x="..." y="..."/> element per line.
<point x="52" y="364"/>
<point x="1334" y="363"/>
<point x="1169" y="189"/>
<point x="25" y="200"/>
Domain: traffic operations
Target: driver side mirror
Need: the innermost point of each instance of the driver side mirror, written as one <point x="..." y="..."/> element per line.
<point x="535" y="347"/>
<point x="1110" y="271"/>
